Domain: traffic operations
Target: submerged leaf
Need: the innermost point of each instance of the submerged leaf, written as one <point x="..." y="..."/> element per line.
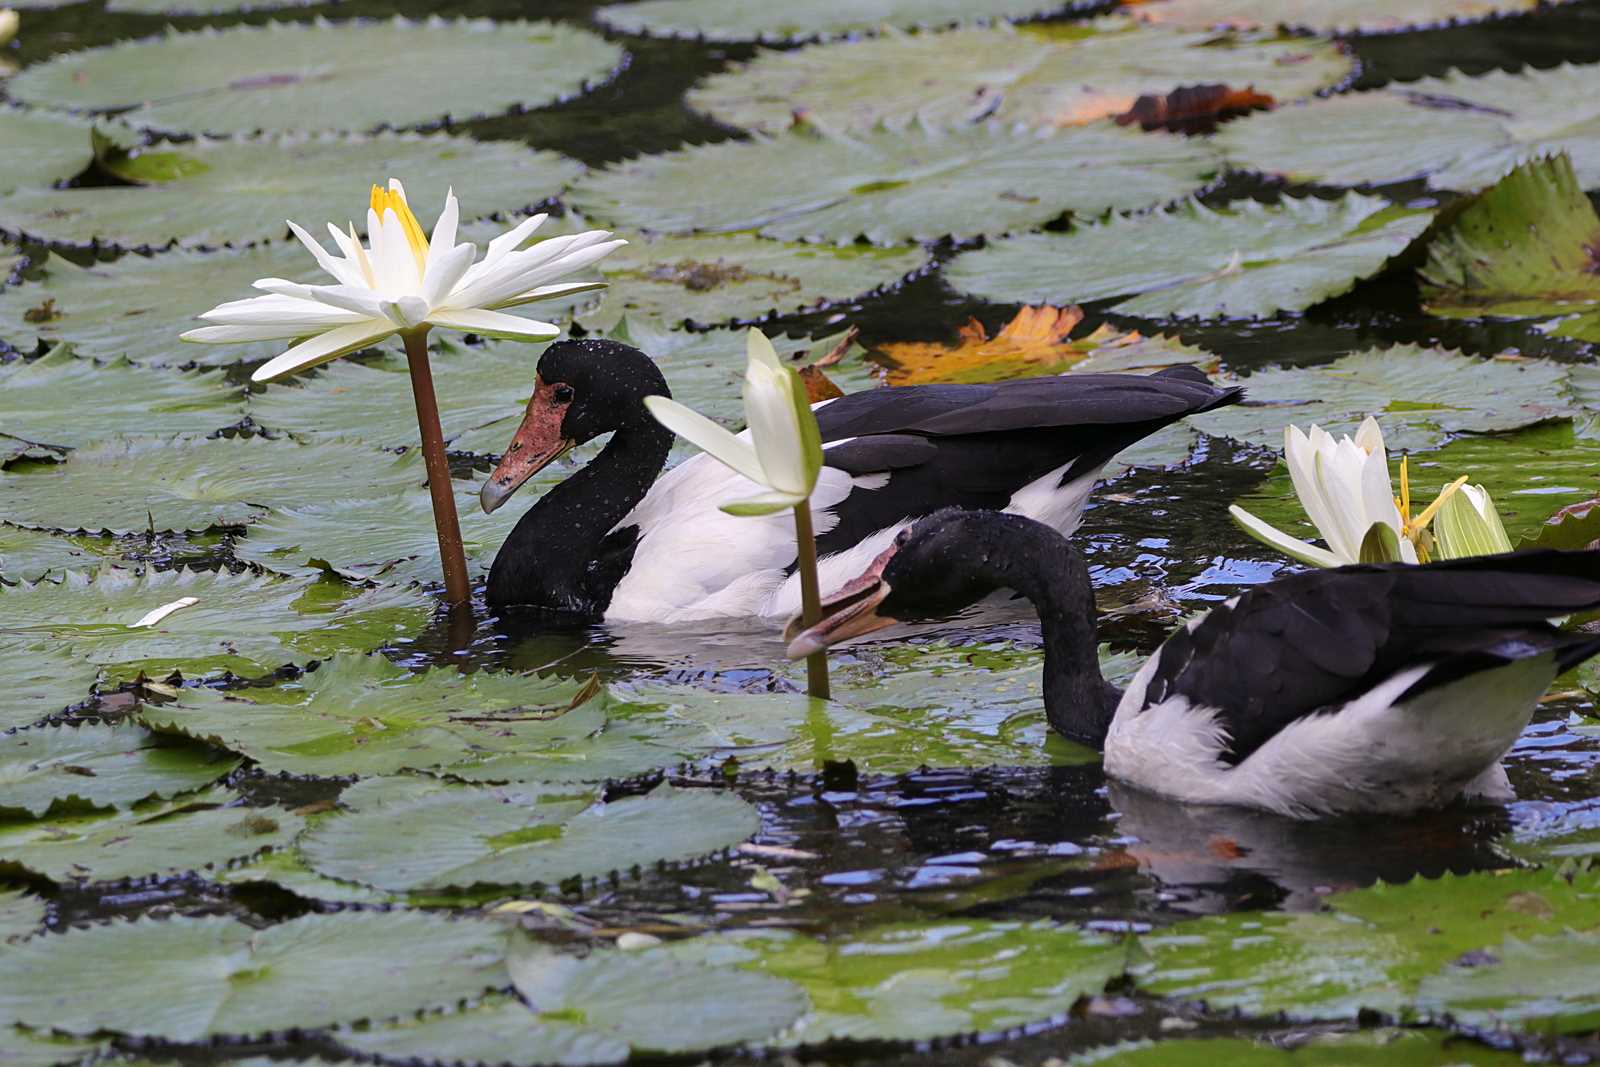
<point x="1193" y="108"/>
<point x="29" y="555"/>
<point x="1362" y="1048"/>
<point x="98" y="766"/>
<point x="42" y="678"/>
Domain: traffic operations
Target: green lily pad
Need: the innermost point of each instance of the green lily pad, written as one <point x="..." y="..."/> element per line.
<point x="137" y="306"/>
<point x="1060" y="74"/>
<point x="21" y="914"/>
<point x="1379" y="1048"/>
<point x="1544" y="983"/>
<point x="730" y="20"/>
<point x="1246" y="260"/>
<point x="40" y="1048"/>
<point x="201" y="7"/>
<point x="245" y="623"/>
<point x="1421" y="396"/>
<point x="465" y="836"/>
<point x="184" y="979"/>
<point x="895" y="186"/>
<point x="1456" y="132"/>
<point x="320" y="75"/>
<point x="1377" y="948"/>
<point x="364" y="715"/>
<point x="28" y="555"/>
<point x="41" y="680"/>
<point x="185" y="483"/>
<point x="99" y="766"/>
<point x="501" y="1030"/>
<point x="41" y="149"/>
<point x="1332" y="16"/>
<point x="1528" y="247"/>
<point x="62" y="401"/>
<point x="236" y="192"/>
<point x="193" y="833"/>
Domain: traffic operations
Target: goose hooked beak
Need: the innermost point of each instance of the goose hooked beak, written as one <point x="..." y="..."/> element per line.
<point x="536" y="444"/>
<point x="850" y="612"/>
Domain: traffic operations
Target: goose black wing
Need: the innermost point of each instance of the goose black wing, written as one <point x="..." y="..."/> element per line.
<point x="1311" y="642"/>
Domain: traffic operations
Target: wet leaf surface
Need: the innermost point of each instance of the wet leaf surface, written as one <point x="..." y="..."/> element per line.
<point x="97" y="766"/>
<point x="28" y="555"/>
<point x="42" y="679"/>
<point x="1389" y="1048"/>
<point x="1344" y="16"/>
<point x="41" y="149"/>
<point x="730" y="20"/>
<point x="21" y="914"/>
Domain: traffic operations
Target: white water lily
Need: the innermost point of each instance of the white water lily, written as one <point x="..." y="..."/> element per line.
<point x="1469" y="525"/>
<point x="784" y="450"/>
<point x="404" y="282"/>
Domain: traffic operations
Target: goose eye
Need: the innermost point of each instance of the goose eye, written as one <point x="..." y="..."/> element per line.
<point x="562" y="394"/>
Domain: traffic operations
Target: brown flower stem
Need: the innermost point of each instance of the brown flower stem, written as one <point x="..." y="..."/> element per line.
<point x="810" y="598"/>
<point x="451" y="554"/>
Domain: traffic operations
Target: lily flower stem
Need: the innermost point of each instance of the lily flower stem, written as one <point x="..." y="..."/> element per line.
<point x="810" y="597"/>
<point x="451" y="553"/>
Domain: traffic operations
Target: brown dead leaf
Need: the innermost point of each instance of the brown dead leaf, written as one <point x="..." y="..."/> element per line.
<point x="1193" y="108"/>
<point x="819" y="386"/>
<point x="1091" y="105"/>
<point x="1033" y="342"/>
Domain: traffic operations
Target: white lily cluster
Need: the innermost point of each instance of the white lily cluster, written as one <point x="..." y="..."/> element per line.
<point x="784" y="450"/>
<point x="403" y="281"/>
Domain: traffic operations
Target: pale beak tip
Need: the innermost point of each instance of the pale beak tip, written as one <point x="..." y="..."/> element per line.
<point x="489" y="498"/>
<point x="806" y="644"/>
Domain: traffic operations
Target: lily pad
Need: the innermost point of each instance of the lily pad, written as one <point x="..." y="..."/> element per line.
<point x="21" y="914"/>
<point x="1422" y="396"/>
<point x="99" y="766"/>
<point x="1246" y="260"/>
<point x="895" y="186"/>
<point x="136" y="306"/>
<point x="1379" y="1048"/>
<point x="201" y="7"/>
<point x="41" y="680"/>
<point x="1528" y="247"/>
<point x="28" y="555"/>
<point x="463" y="836"/>
<point x="194" y="833"/>
<point x="41" y="149"/>
<point x="1332" y="16"/>
<point x="1544" y="983"/>
<point x="184" y="979"/>
<point x="731" y="20"/>
<point x="1377" y="948"/>
<point x="364" y="715"/>
<point x="186" y="483"/>
<point x="501" y="1030"/>
<point x="321" y="75"/>
<point x="40" y="1048"/>
<point x="1045" y="75"/>
<point x="245" y="623"/>
<point x="235" y="192"/>
<point x="62" y="401"/>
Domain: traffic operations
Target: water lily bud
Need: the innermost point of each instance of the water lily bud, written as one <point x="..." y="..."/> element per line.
<point x="1468" y="525"/>
<point x="9" y="22"/>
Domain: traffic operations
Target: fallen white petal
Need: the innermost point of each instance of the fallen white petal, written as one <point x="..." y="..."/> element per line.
<point x="155" y="615"/>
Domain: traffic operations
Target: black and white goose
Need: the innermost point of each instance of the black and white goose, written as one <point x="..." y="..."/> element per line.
<point x="1373" y="688"/>
<point x="620" y="541"/>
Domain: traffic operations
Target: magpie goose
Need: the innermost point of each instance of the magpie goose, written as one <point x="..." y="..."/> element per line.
<point x="1368" y="688"/>
<point x="620" y="541"/>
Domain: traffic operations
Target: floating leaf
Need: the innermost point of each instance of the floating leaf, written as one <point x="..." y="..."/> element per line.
<point x="1544" y="983"/>
<point x="28" y="555"/>
<point x="100" y="767"/>
<point x="364" y="715"/>
<point x="896" y="186"/>
<point x="200" y="7"/>
<point x="21" y="914"/>
<point x="1334" y="16"/>
<point x="322" y="75"/>
<point x="730" y="20"/>
<point x="62" y="401"/>
<point x="501" y="1030"/>
<point x="194" y="833"/>
<point x="461" y="836"/>
<point x="1570" y="527"/>
<point x="1050" y="74"/>
<point x="40" y="1048"/>
<point x="1193" y="108"/>
<point x="1379" y="1048"/>
<point x="242" y="191"/>
<point x="41" y="679"/>
<point x="1528" y="247"/>
<point x="184" y="483"/>
<point x="1245" y="260"/>
<point x="137" y="306"/>
<point x="41" y="149"/>
<point x="184" y="979"/>
<point x="1457" y="132"/>
<point x="1422" y="396"/>
<point x="245" y="623"/>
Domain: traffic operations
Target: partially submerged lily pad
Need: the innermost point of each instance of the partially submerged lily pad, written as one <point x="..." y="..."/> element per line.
<point x="185" y="979"/>
<point x="193" y="833"/>
<point x="41" y="149"/>
<point x="29" y="555"/>
<point x="499" y="1030"/>
<point x="1332" y="16"/>
<point x="1455" y="132"/>
<point x="240" y="191"/>
<point x="1246" y="260"/>
<point x="465" y="836"/>
<point x="21" y="914"/>
<point x="324" y="76"/>
<point x="1545" y="983"/>
<point x="893" y="186"/>
<point x="1361" y="1048"/>
<point x="733" y="20"/>
<point x="245" y="623"/>
<point x="1422" y="396"/>
<point x="42" y="679"/>
<point x="41" y="1048"/>
<point x="1529" y="247"/>
<point x="1048" y="75"/>
<point x="98" y="766"/>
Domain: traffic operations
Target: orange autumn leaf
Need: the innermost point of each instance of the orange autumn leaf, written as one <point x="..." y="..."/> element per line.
<point x="1193" y="108"/>
<point x="819" y="386"/>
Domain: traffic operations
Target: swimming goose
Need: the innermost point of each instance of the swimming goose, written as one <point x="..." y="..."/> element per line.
<point x="1369" y="688"/>
<point x="621" y="541"/>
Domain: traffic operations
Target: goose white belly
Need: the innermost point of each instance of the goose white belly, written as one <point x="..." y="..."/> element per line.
<point x="1371" y="755"/>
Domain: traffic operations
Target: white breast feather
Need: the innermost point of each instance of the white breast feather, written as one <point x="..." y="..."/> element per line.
<point x="1059" y="507"/>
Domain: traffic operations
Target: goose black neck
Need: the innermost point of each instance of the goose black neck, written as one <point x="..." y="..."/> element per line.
<point x="1043" y="566"/>
<point x="553" y="557"/>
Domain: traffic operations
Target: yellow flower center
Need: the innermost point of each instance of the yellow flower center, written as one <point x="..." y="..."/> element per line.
<point x="393" y="200"/>
<point x="1415" y="530"/>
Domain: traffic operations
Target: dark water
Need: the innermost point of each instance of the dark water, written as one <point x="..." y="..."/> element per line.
<point x="1055" y="842"/>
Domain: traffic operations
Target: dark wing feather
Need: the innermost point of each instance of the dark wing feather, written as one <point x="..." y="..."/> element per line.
<point x="1313" y="641"/>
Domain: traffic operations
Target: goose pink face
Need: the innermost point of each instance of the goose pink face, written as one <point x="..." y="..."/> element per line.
<point x="537" y="442"/>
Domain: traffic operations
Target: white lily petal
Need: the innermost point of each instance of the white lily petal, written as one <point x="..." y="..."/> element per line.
<point x="274" y="310"/>
<point x="233" y="335"/>
<point x="1377" y="492"/>
<point x="1346" y="526"/>
<point x="495" y="324"/>
<point x="525" y="270"/>
<point x="1302" y="460"/>
<point x="322" y="348"/>
<point x="354" y="298"/>
<point x="443" y="241"/>
<point x="708" y="436"/>
<point x="445" y="269"/>
<point x="342" y="271"/>
<point x="1370" y="435"/>
<point x="155" y="615"/>
<point x="1272" y="537"/>
<point x="764" y="504"/>
<point x="512" y="239"/>
<point x="770" y="413"/>
<point x="393" y="260"/>
<point x="758" y="348"/>
<point x="551" y="292"/>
